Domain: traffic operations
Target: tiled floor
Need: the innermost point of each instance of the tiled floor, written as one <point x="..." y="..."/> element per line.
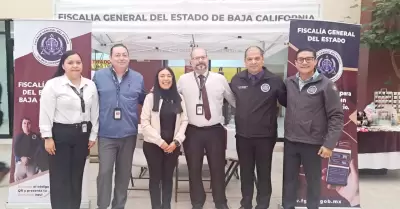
<point x="377" y="192"/>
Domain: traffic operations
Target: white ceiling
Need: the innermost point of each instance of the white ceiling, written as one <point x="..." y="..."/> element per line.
<point x="178" y="46"/>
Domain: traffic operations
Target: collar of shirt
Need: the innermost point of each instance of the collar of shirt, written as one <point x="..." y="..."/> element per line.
<point x="116" y="71"/>
<point x="197" y="75"/>
<point x="315" y="75"/>
<point x="66" y="81"/>
<point x="258" y="76"/>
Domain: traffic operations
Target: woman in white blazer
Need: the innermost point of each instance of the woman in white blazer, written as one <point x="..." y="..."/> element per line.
<point x="164" y="122"/>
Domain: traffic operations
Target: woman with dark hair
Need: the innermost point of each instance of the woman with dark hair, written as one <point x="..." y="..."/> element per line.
<point x="164" y="122"/>
<point x="68" y="122"/>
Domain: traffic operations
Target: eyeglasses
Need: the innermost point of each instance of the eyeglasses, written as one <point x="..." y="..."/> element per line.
<point x="307" y="59"/>
<point x="199" y="58"/>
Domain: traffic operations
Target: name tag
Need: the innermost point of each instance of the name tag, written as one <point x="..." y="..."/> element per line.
<point x="199" y="109"/>
<point x="117" y="114"/>
<point x="84" y="128"/>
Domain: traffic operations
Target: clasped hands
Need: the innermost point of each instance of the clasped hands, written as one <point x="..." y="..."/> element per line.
<point x="168" y="148"/>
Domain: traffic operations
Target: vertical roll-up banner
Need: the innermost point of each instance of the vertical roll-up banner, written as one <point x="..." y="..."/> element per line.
<point x="38" y="47"/>
<point x="337" y="46"/>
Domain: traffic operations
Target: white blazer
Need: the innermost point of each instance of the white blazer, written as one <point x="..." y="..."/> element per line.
<point x="150" y="122"/>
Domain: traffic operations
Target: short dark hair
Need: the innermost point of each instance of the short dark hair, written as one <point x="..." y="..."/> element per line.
<point x="118" y="45"/>
<point x="25" y="118"/>
<point x="254" y="47"/>
<point x="307" y="49"/>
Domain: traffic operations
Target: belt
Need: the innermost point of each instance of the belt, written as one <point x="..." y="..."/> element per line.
<point x="218" y="125"/>
<point x="73" y="125"/>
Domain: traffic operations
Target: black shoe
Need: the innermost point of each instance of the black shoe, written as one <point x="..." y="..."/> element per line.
<point x="197" y="207"/>
<point x="223" y="206"/>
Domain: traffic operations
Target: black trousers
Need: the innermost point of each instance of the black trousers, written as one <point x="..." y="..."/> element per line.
<point x="161" y="170"/>
<point x="212" y="140"/>
<point x="296" y="154"/>
<point x="67" y="165"/>
<point x="255" y="153"/>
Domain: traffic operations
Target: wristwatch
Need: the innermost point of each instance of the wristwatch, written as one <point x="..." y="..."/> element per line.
<point x="177" y="143"/>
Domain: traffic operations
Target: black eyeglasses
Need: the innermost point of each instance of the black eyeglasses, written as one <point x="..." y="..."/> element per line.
<point x="307" y="59"/>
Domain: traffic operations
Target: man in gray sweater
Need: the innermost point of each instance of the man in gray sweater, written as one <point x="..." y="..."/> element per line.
<point x="313" y="126"/>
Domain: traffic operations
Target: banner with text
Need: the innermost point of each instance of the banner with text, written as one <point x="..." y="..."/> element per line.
<point x="182" y="17"/>
<point x="337" y="46"/>
<point x="37" y="52"/>
<point x="190" y="17"/>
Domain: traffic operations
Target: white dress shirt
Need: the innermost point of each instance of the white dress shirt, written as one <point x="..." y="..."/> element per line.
<point x="217" y="89"/>
<point x="59" y="103"/>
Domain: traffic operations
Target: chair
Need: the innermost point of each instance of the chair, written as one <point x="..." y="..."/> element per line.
<point x="139" y="160"/>
<point x="182" y="161"/>
<point x="231" y="155"/>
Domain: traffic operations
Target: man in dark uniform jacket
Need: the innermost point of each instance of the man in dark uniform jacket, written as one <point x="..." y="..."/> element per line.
<point x="313" y="126"/>
<point x="257" y="91"/>
<point x="29" y="152"/>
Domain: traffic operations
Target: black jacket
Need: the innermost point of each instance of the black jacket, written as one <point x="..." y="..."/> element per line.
<point x="314" y="114"/>
<point x="256" y="105"/>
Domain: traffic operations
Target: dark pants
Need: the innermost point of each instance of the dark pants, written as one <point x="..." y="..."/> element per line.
<point x="67" y="165"/>
<point x="212" y="140"/>
<point x="161" y="170"/>
<point x="296" y="154"/>
<point x="255" y="153"/>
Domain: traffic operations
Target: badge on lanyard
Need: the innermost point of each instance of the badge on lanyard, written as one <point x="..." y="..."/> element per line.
<point x="199" y="109"/>
<point x="117" y="114"/>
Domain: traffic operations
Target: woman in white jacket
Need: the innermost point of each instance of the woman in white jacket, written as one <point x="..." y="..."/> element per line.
<point x="164" y="122"/>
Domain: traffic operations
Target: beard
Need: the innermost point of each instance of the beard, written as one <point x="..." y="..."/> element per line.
<point x="201" y="68"/>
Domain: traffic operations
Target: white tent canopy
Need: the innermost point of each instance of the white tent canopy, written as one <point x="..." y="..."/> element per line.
<point x="162" y="30"/>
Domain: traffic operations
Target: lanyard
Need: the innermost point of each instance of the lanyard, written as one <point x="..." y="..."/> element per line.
<point x="80" y="94"/>
<point x="117" y="86"/>
<point x="198" y="83"/>
<point x="117" y="83"/>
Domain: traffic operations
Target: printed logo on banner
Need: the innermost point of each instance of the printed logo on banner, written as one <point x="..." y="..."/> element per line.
<point x="330" y="64"/>
<point x="265" y="87"/>
<point x="49" y="44"/>
<point x="312" y="90"/>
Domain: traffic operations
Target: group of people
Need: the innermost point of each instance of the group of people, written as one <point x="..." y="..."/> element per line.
<point x="75" y="112"/>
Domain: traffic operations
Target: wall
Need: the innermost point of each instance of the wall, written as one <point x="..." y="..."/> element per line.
<point x="375" y="71"/>
<point x="10" y="9"/>
<point x="348" y="11"/>
<point x="380" y="75"/>
<point x="148" y="70"/>
<point x="362" y="79"/>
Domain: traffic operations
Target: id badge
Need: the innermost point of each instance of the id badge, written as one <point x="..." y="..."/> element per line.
<point x="84" y="127"/>
<point x="117" y="114"/>
<point x="199" y="109"/>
